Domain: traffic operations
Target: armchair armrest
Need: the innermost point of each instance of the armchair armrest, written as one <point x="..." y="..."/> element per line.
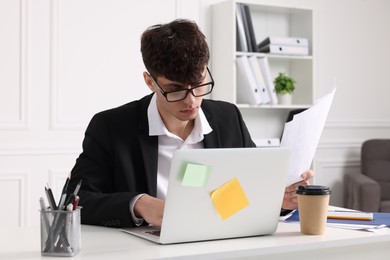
<point x="361" y="192"/>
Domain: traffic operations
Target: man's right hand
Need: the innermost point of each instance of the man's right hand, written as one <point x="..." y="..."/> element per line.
<point x="151" y="209"/>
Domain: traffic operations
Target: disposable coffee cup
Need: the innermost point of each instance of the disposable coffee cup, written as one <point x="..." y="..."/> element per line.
<point x="313" y="202"/>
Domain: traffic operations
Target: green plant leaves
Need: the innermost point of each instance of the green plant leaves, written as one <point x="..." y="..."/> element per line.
<point x="284" y="84"/>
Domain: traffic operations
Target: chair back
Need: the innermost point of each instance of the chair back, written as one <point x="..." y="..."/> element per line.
<point x="375" y="163"/>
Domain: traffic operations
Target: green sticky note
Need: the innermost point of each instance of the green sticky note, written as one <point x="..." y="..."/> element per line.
<point x="196" y="175"/>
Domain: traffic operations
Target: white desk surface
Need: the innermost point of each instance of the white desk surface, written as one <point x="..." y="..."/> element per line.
<point x="107" y="243"/>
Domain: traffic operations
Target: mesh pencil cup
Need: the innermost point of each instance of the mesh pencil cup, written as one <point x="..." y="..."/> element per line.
<point x="60" y="232"/>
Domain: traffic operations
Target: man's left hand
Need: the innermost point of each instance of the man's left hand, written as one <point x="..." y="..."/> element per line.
<point x="290" y="197"/>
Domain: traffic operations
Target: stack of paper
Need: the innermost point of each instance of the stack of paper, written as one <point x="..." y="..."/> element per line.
<point x="375" y="221"/>
<point x="350" y="215"/>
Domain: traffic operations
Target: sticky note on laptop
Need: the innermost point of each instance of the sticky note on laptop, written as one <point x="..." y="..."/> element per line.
<point x="196" y="175"/>
<point x="229" y="199"/>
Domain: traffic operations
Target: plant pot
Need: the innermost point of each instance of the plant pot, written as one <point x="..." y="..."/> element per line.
<point x="284" y="99"/>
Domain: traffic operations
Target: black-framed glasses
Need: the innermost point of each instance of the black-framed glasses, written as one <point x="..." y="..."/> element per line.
<point x="197" y="91"/>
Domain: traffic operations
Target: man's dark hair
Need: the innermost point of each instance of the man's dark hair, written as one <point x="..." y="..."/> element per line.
<point x="177" y="50"/>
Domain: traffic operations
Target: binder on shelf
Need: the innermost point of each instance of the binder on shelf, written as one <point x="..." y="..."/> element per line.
<point x="293" y="41"/>
<point x="264" y="66"/>
<point x="285" y="49"/>
<point x="246" y="40"/>
<point x="246" y="26"/>
<point x="242" y="44"/>
<point x="255" y="66"/>
<point x="247" y="89"/>
<point x="251" y="38"/>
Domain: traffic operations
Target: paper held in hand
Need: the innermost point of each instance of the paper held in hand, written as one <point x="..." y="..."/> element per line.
<point x="302" y="135"/>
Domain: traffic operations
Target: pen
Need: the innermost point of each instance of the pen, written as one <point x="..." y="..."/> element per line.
<point x="42" y="204"/>
<point x="51" y="199"/>
<point x="73" y="196"/>
<point x="63" y="194"/>
<point x="69" y="207"/>
<point x="76" y="190"/>
<point x="44" y="214"/>
<point x="70" y="199"/>
<point x="76" y="202"/>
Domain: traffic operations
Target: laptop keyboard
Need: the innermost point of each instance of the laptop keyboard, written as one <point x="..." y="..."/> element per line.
<point x="154" y="232"/>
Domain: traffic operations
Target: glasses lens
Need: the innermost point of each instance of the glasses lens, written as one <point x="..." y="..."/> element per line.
<point x="182" y="94"/>
<point x="202" y="90"/>
<point x="176" y="96"/>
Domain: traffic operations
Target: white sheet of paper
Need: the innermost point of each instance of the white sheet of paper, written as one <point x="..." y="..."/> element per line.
<point x="370" y="228"/>
<point x="303" y="133"/>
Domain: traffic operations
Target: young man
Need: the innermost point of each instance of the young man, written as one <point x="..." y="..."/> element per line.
<point x="127" y="151"/>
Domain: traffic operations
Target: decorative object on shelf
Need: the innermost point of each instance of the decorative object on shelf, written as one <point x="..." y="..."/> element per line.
<point x="284" y="87"/>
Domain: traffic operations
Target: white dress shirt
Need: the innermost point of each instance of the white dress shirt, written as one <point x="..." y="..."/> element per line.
<point x="168" y="143"/>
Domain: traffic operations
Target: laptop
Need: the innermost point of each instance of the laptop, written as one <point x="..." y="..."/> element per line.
<point x="221" y="193"/>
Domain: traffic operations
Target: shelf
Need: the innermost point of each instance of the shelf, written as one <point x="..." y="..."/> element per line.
<point x="275" y="56"/>
<point x="290" y="57"/>
<point x="268" y="21"/>
<point x="290" y="107"/>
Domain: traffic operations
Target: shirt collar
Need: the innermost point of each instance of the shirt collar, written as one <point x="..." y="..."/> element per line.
<point x="157" y="127"/>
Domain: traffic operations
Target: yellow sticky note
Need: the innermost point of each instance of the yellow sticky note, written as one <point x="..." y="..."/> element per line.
<point x="196" y="175"/>
<point x="229" y="198"/>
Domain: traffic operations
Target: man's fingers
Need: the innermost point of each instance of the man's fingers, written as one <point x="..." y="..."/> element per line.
<point x="307" y="175"/>
<point x="290" y="200"/>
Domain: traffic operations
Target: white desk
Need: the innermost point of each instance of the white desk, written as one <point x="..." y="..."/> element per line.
<point x="286" y="243"/>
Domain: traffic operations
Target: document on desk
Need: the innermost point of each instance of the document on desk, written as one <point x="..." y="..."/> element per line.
<point x="302" y="135"/>
<point x="379" y="221"/>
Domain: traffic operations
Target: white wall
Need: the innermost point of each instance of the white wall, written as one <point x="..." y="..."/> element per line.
<point x="353" y="47"/>
<point x="63" y="61"/>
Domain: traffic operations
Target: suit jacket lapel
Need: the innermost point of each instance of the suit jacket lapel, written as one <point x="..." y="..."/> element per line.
<point x="149" y="148"/>
<point x="211" y="140"/>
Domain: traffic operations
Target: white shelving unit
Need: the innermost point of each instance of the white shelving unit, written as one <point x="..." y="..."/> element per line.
<point x="264" y="121"/>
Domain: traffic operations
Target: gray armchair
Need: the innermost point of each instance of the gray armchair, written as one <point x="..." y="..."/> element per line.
<point x="369" y="190"/>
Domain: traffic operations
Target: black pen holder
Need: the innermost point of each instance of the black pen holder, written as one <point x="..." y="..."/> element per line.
<point x="60" y="232"/>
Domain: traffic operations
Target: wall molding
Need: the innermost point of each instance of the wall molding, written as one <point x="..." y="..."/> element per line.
<point x="371" y="128"/>
<point x="53" y="76"/>
<point x="353" y="162"/>
<point x="55" y="121"/>
<point x="22" y="122"/>
<point x="20" y="176"/>
<point x="39" y="151"/>
<point x="359" y="124"/>
<point x="340" y="144"/>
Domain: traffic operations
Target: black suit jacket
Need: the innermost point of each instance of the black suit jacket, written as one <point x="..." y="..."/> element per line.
<point x="119" y="158"/>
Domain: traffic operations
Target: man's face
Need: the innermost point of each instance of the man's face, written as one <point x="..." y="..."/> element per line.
<point x="182" y="110"/>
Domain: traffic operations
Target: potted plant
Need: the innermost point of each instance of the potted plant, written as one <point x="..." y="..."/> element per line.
<point x="284" y="87"/>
